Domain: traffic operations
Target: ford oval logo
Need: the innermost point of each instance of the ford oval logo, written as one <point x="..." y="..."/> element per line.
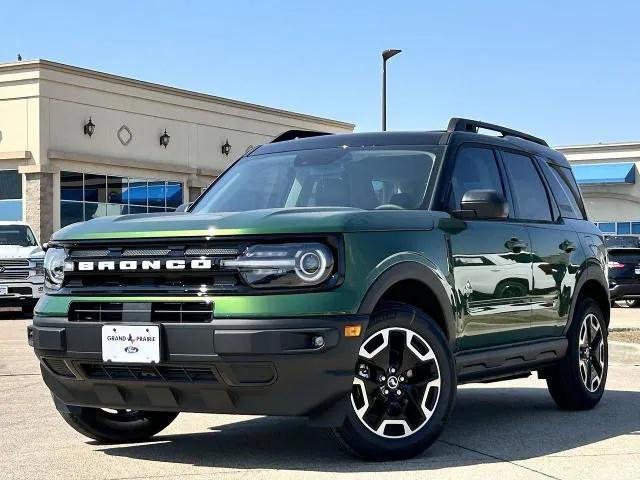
<point x="131" y="349"/>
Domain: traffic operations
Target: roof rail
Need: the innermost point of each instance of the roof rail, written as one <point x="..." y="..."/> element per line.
<point x="294" y="134"/>
<point x="466" y="125"/>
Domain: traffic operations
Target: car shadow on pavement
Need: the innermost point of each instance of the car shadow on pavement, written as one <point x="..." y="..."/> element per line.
<point x="488" y="425"/>
<point x="13" y="314"/>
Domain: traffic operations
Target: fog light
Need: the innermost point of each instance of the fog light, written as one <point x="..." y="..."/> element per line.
<point x="318" y="341"/>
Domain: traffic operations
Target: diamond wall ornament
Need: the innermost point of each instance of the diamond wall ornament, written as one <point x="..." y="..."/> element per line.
<point x="124" y="135"/>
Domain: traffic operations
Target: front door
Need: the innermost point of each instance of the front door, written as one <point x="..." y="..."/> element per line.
<point x="491" y="260"/>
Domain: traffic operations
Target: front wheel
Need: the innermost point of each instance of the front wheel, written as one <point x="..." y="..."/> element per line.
<point x="117" y="426"/>
<point x="403" y="389"/>
<point x="578" y="381"/>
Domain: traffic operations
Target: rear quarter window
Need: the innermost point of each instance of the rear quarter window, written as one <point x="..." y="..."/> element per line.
<point x="565" y="190"/>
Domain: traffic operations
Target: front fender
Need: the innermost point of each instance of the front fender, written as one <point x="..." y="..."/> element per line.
<point x="418" y="268"/>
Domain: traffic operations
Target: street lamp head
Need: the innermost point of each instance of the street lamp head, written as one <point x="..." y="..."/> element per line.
<point x="387" y="54"/>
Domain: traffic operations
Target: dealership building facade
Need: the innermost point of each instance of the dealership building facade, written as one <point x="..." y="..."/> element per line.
<point x="608" y="177"/>
<point x="76" y="144"/>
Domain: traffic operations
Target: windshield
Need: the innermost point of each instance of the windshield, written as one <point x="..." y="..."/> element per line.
<point x="365" y="178"/>
<point x="20" y="235"/>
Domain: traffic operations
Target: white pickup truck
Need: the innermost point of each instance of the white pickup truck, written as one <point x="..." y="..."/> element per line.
<point x="21" y="266"/>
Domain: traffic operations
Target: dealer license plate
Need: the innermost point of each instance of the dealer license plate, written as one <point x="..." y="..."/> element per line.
<point x="4" y="290"/>
<point x="131" y="343"/>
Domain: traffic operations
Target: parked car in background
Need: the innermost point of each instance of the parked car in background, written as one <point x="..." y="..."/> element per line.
<point x="21" y="266"/>
<point x="624" y="269"/>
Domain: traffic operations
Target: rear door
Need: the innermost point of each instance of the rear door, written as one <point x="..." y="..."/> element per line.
<point x="554" y="244"/>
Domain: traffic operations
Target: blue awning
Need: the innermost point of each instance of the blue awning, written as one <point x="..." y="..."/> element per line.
<point x="605" y="173"/>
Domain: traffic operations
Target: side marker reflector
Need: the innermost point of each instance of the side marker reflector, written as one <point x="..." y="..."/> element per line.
<point x="352" y="330"/>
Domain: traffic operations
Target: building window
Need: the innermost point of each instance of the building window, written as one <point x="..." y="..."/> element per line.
<point x="10" y="195"/>
<point x="623" y="228"/>
<point x="620" y="228"/>
<point x="84" y="196"/>
<point x="607" y="227"/>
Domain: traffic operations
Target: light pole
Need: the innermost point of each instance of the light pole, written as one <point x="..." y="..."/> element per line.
<point x="386" y="55"/>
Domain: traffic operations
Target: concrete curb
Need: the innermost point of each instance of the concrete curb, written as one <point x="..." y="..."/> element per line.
<point x="625" y="353"/>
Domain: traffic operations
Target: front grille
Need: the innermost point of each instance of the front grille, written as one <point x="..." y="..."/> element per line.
<point x="82" y="253"/>
<point x="20" y="290"/>
<point x="14" y="263"/>
<point x="149" y="275"/>
<point x="160" y="312"/>
<point x="14" y="275"/>
<point x="147" y="252"/>
<point x="58" y="366"/>
<point x="158" y="373"/>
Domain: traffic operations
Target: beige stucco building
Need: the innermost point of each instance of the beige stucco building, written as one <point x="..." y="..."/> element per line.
<point x="608" y="177"/>
<point x="52" y="172"/>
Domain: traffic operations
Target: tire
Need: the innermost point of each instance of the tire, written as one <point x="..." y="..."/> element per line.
<point x="117" y="426"/>
<point x="403" y="349"/>
<point x="568" y="381"/>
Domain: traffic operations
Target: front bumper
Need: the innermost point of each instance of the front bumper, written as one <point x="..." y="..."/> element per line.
<point x="238" y="366"/>
<point x="22" y="293"/>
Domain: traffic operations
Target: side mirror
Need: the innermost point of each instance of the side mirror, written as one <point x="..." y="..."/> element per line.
<point x="483" y="204"/>
<point x="184" y="207"/>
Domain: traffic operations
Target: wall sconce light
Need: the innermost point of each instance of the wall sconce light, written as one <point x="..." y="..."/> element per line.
<point x="89" y="128"/>
<point x="164" y="139"/>
<point x="226" y="148"/>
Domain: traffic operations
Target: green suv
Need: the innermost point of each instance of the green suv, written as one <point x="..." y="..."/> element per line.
<point x="354" y="279"/>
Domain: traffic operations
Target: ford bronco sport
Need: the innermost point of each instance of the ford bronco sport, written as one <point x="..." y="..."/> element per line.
<point x="353" y="279"/>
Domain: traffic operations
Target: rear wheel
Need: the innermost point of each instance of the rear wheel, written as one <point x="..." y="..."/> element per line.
<point x="578" y="382"/>
<point x="403" y="389"/>
<point x="117" y="426"/>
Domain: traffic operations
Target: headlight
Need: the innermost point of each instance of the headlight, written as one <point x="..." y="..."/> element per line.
<point x="54" y="268"/>
<point x="287" y="265"/>
<point x="38" y="264"/>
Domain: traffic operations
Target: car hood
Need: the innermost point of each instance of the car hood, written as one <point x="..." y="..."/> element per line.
<point x="255" y="222"/>
<point x="16" y="251"/>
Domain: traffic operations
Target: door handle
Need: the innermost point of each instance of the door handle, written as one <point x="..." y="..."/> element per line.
<point x="567" y="246"/>
<point x="516" y="245"/>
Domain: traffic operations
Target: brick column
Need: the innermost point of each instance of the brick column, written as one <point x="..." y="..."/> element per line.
<point x="37" y="199"/>
<point x="194" y="193"/>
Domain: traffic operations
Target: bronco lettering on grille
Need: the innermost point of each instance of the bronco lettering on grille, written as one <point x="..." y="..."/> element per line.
<point x="133" y="265"/>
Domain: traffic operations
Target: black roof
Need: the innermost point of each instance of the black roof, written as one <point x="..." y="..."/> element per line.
<point x="460" y="127"/>
<point x="353" y="140"/>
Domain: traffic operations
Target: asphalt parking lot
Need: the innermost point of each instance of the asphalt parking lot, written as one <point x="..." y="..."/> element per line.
<point x="508" y="430"/>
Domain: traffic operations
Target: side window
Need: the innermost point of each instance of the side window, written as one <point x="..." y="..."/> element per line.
<point x="567" y="181"/>
<point x="527" y="189"/>
<point x="475" y="169"/>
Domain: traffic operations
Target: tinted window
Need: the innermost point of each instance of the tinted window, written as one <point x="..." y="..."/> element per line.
<point x="565" y="190"/>
<point x="87" y="196"/>
<point x="475" y="169"/>
<point x="10" y="185"/>
<point x="10" y="195"/>
<point x="527" y="190"/>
